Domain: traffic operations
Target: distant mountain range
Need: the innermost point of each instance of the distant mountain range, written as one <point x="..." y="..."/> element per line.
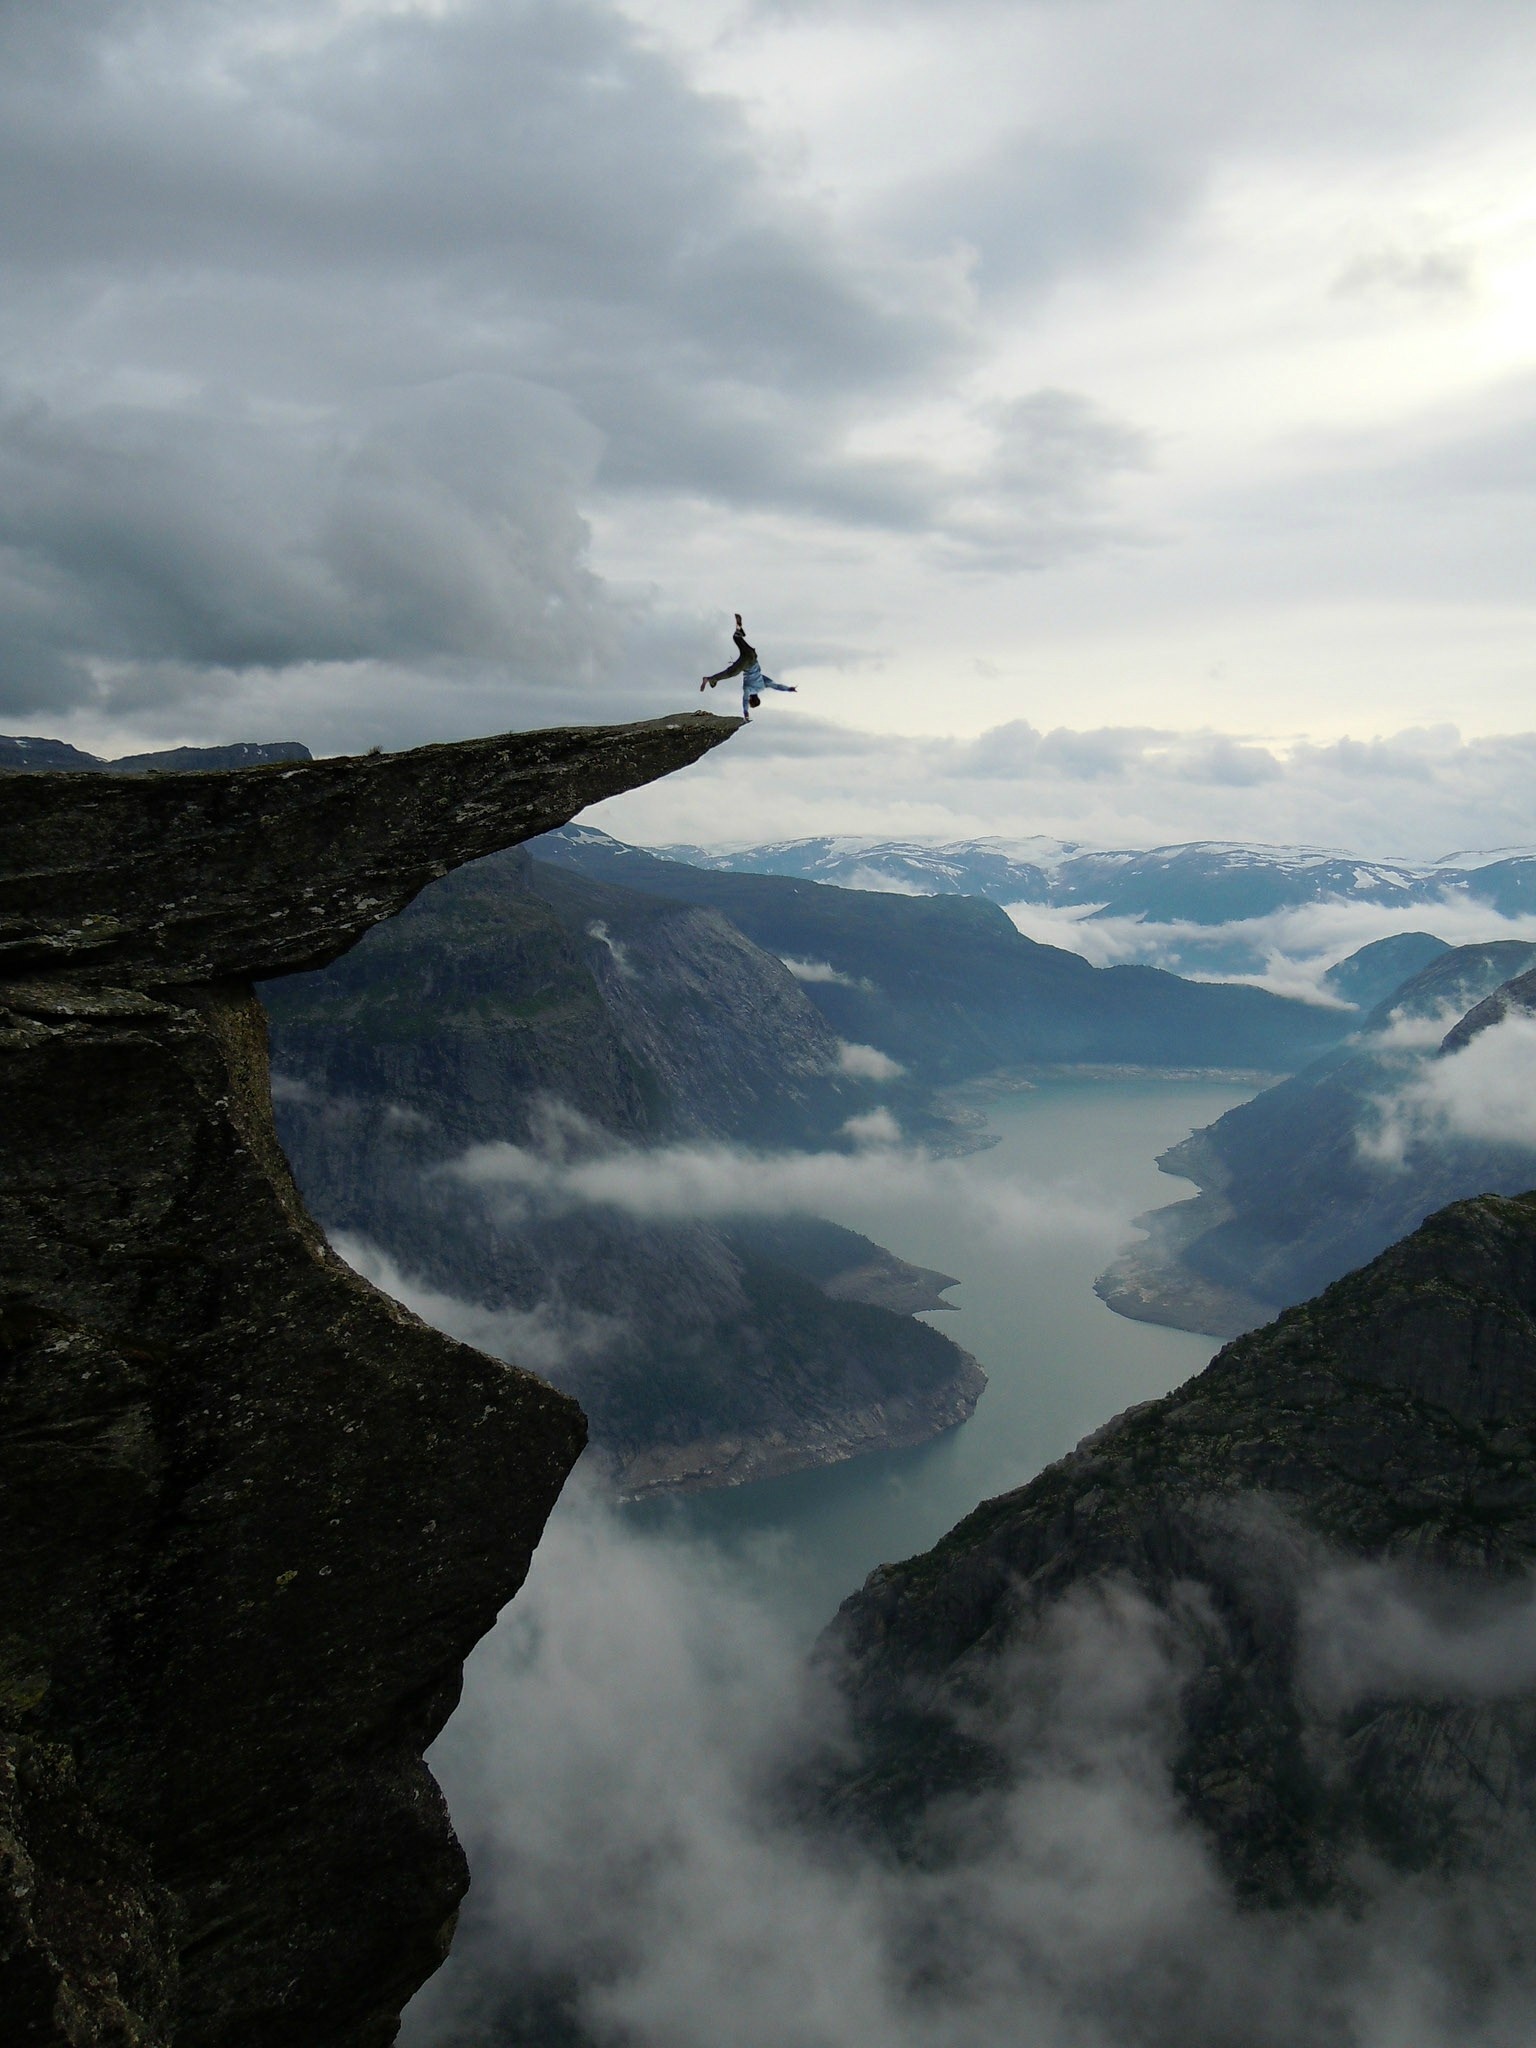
<point x="949" y="987"/>
<point x="39" y="756"/>
<point x="1205" y="881"/>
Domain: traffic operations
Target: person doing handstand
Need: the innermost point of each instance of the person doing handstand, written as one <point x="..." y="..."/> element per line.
<point x="753" y="681"/>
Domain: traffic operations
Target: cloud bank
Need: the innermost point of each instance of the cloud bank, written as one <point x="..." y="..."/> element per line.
<point x="1291" y="950"/>
<point x="1482" y="1093"/>
<point x="545" y="1338"/>
<point x="1379" y="1630"/>
<point x="575" y="1166"/>
<point x="613" y="1770"/>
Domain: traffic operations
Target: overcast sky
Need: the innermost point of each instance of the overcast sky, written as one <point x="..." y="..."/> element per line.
<point x="1104" y="376"/>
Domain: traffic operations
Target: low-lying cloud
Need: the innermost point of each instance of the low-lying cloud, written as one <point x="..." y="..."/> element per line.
<point x="866" y="1062"/>
<point x="878" y="883"/>
<point x="1288" y="951"/>
<point x="612" y="1772"/>
<point x="1375" y="1630"/>
<point x="545" y="1338"/>
<point x="575" y="1166"/>
<point x="1484" y="1092"/>
<point x="1413" y="1031"/>
<point x="617" y="951"/>
<point x="823" y="971"/>
<point x="874" y="1127"/>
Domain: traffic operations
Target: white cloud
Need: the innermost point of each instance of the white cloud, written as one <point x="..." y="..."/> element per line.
<point x="1296" y="946"/>
<point x="618" y="952"/>
<point x="1078" y="928"/>
<point x="543" y="1339"/>
<point x="822" y="971"/>
<point x="1484" y="1092"/>
<point x="866" y="1062"/>
<point x="293" y="1088"/>
<point x="878" y="883"/>
<point x="611" y="1771"/>
<point x="874" y="1127"/>
<point x="1377" y="1630"/>
<point x="575" y="1166"/>
<point x="1297" y="979"/>
<point x="1418" y="1031"/>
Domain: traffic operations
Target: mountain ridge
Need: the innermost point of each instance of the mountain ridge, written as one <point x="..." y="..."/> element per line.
<point x="1387" y="1423"/>
<point x="951" y="988"/>
<point x="1239" y="878"/>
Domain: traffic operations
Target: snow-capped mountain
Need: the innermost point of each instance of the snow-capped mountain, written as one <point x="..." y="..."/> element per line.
<point x="1209" y="882"/>
<point x="1281" y="916"/>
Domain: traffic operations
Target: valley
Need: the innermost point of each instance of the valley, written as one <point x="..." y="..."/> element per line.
<point x="584" y="1091"/>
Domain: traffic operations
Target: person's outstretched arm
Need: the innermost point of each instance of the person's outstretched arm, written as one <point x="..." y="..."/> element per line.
<point x="767" y="683"/>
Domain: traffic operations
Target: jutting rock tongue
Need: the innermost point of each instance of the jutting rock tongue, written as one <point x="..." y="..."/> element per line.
<point x="253" y="1515"/>
<point x="202" y="877"/>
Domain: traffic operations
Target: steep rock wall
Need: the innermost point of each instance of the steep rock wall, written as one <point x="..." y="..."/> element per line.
<point x="252" y="1513"/>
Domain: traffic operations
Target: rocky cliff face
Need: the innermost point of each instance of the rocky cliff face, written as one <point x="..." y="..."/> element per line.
<point x="1388" y="1426"/>
<point x="252" y="1513"/>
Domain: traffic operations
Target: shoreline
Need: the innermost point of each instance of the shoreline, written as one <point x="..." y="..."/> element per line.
<point x="1149" y="1281"/>
<point x="720" y="1464"/>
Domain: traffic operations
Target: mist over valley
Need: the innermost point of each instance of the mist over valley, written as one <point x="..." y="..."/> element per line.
<point x="609" y="1112"/>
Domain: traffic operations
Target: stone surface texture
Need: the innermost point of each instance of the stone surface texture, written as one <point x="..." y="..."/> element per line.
<point x="253" y="1514"/>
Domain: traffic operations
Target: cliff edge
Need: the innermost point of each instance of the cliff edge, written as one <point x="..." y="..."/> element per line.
<point x="253" y="1514"/>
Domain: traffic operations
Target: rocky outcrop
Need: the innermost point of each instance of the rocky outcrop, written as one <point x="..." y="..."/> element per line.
<point x="1151" y="1281"/>
<point x="252" y="1513"/>
<point x="1388" y="1425"/>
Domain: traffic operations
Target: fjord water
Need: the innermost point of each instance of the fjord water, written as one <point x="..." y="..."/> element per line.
<point x="1043" y="1211"/>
